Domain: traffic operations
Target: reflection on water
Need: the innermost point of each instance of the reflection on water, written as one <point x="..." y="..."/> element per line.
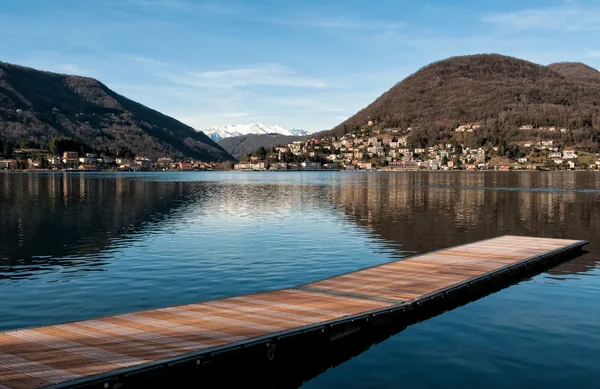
<point x="74" y="246"/>
<point x="65" y="220"/>
<point x="425" y="212"/>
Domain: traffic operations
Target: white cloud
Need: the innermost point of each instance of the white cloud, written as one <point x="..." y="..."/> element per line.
<point x="572" y="18"/>
<point x="592" y="53"/>
<point x="70" y="68"/>
<point x="145" y="60"/>
<point x="207" y="8"/>
<point x="268" y="74"/>
<point x="341" y="23"/>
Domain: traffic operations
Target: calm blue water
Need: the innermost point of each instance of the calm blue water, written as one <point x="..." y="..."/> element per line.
<point x="75" y="246"/>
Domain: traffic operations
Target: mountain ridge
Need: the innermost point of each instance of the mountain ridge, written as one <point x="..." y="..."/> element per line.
<point x="499" y="92"/>
<point x="218" y="133"/>
<point x="37" y="105"/>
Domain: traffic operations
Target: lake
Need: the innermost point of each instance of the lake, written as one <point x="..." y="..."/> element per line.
<point x="80" y="245"/>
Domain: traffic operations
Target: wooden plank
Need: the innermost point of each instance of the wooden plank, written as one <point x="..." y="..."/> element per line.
<point x="37" y="357"/>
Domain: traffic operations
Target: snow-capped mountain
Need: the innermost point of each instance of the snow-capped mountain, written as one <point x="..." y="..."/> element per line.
<point x="218" y="133"/>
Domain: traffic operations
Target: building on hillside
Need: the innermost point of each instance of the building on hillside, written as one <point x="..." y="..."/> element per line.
<point x="311" y="165"/>
<point x="54" y="160"/>
<point x="260" y="166"/>
<point x="70" y="159"/>
<point x="87" y="160"/>
<point x="164" y="163"/>
<point x="143" y="162"/>
<point x="365" y="165"/>
<point x="8" y="163"/>
<point x="404" y="165"/>
<point x="186" y="165"/>
<point x="480" y="157"/>
<point x="569" y="154"/>
<point x="242" y="166"/>
<point x="129" y="166"/>
<point x="279" y="166"/>
<point x="88" y="167"/>
<point x="106" y="159"/>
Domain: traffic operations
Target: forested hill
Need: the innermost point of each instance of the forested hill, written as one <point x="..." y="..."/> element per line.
<point x="37" y="106"/>
<point x="500" y="93"/>
<point x="239" y="146"/>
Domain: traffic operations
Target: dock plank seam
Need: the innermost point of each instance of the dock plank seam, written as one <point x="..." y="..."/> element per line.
<point x="345" y="294"/>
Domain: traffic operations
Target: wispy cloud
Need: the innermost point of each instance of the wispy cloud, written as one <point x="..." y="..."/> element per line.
<point x="268" y="74"/>
<point x="344" y="23"/>
<point x="144" y="60"/>
<point x="209" y="7"/>
<point x="571" y="18"/>
<point x="72" y="69"/>
<point x="592" y="53"/>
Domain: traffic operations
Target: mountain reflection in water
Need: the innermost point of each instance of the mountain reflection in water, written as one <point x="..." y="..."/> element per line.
<point x="75" y="246"/>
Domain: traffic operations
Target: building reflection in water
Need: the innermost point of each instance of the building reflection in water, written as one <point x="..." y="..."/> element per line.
<point x="430" y="211"/>
<point x="49" y="217"/>
<point x="50" y="222"/>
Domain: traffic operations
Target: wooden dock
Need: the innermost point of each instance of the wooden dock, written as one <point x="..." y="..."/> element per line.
<point x="114" y="351"/>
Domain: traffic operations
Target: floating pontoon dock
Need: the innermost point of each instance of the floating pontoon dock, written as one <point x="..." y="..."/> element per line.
<point x="114" y="352"/>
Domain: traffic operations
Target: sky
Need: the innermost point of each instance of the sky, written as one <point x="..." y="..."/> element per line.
<point x="307" y="64"/>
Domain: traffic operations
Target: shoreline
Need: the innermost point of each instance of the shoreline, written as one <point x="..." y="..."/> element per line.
<point x="15" y="171"/>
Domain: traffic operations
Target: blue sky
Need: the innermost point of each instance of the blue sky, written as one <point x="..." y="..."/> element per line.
<point x="299" y="63"/>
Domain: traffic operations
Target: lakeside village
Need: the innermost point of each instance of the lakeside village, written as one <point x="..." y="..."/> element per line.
<point x="369" y="148"/>
<point x="27" y="159"/>
<point x="29" y="156"/>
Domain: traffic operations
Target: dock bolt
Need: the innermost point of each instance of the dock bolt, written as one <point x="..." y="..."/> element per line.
<point x="271" y="352"/>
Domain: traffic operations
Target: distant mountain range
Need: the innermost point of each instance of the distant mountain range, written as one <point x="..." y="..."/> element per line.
<point x="239" y="146"/>
<point x="37" y="106"/>
<point x="259" y="128"/>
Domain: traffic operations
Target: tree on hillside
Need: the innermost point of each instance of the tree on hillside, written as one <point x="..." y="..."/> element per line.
<point x="61" y="144"/>
<point x="44" y="163"/>
<point x="125" y="152"/>
<point x="28" y="144"/>
<point x="8" y="149"/>
<point x="261" y="153"/>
